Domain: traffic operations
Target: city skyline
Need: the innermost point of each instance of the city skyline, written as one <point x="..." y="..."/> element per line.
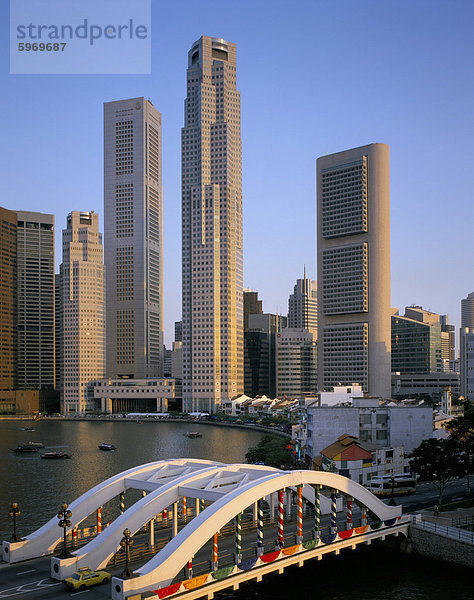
<point x="405" y="99"/>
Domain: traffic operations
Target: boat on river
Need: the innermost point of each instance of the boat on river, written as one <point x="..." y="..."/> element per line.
<point x="106" y="447"/>
<point x="25" y="449"/>
<point x="34" y="444"/>
<point x="193" y="434"/>
<point x="56" y="455"/>
<point x="27" y="428"/>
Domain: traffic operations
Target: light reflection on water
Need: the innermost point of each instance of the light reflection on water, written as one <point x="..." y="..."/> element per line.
<point x="41" y="486"/>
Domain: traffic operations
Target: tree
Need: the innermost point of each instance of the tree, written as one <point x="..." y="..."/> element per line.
<point x="439" y="461"/>
<point x="462" y="430"/>
<point x="271" y="450"/>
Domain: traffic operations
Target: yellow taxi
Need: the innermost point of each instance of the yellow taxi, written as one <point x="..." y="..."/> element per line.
<point x="85" y="577"/>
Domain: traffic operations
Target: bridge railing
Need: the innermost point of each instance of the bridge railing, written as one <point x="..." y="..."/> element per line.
<point x="449" y="532"/>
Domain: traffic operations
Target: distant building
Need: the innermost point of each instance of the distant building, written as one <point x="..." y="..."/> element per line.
<point x="353" y="240"/>
<point x="416" y="344"/>
<point x="303" y="305"/>
<point x="82" y="311"/>
<point x="178" y="331"/>
<point x="466" y="347"/>
<point x="448" y="349"/>
<point x="296" y="363"/>
<point x="467" y="362"/>
<point x="132" y="395"/>
<point x="467" y="311"/>
<point x="177" y="372"/>
<point x="411" y="385"/>
<point x="260" y="354"/>
<point x="167" y="362"/>
<point x="252" y="306"/>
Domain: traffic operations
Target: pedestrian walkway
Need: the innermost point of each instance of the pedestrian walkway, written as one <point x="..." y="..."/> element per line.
<point x="448" y="518"/>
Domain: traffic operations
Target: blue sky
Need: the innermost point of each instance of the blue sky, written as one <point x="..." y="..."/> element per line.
<point x="315" y="77"/>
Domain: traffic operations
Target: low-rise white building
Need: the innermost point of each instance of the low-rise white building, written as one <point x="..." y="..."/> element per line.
<point x="341" y="394"/>
<point x="376" y="424"/>
<point x="132" y="395"/>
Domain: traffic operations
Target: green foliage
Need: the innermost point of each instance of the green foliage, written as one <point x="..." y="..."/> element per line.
<point x="439" y="461"/>
<point x="462" y="430"/>
<point x="272" y="451"/>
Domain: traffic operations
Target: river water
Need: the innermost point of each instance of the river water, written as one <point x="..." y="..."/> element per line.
<point x="40" y="486"/>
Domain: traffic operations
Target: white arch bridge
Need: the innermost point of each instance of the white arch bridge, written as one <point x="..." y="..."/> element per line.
<point x="210" y="496"/>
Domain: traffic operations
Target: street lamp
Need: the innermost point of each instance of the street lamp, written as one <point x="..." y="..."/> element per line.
<point x="126" y="543"/>
<point x="14" y="513"/>
<point x="64" y="515"/>
<point x="391" y="501"/>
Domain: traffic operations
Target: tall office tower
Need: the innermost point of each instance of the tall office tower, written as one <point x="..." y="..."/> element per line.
<point x="8" y="250"/>
<point x="133" y="237"/>
<point x="35" y="300"/>
<point x="296" y="363"/>
<point x="467" y="311"/>
<point x="303" y="305"/>
<point x="353" y="211"/>
<point x="252" y="306"/>
<point x="58" y="331"/>
<point x="212" y="228"/>
<point x="260" y="354"/>
<point x="466" y="347"/>
<point x="83" y="323"/>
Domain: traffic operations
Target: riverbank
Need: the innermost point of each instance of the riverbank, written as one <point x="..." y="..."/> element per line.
<point x="121" y="419"/>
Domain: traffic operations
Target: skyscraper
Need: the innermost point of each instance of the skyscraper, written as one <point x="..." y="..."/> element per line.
<point x="303" y="305"/>
<point x="260" y="354"/>
<point x="8" y="232"/>
<point x="82" y="311"/>
<point x="296" y="363"/>
<point x="212" y="228"/>
<point x="133" y="238"/>
<point x="35" y="300"/>
<point x="466" y="347"/>
<point x="353" y="215"/>
<point x="467" y="311"/>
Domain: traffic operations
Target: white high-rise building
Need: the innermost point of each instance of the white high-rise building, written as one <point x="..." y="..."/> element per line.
<point x="82" y="311"/>
<point x="353" y="215"/>
<point x="133" y="239"/>
<point x="212" y="228"/>
<point x="303" y="305"/>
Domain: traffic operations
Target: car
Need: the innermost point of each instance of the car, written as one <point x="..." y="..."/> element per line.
<point x="85" y="577"/>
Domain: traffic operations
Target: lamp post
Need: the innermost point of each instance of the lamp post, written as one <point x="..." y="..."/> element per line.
<point x="64" y="515"/>
<point x="14" y="513"/>
<point x="391" y="501"/>
<point x="126" y="543"/>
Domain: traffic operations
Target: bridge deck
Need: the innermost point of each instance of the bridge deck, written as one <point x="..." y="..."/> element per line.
<point x="206" y="585"/>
